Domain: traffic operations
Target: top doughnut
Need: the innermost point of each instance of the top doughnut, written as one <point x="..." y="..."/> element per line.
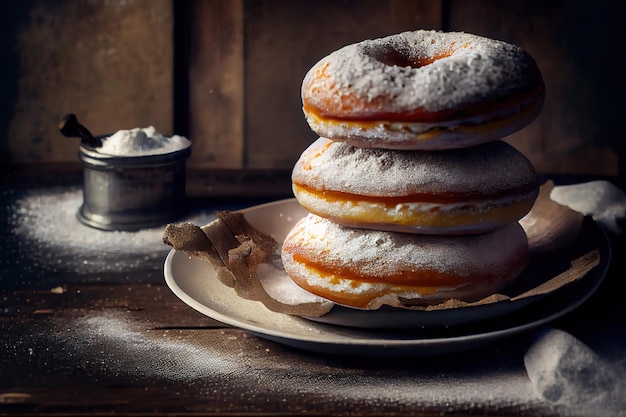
<point x="422" y="90"/>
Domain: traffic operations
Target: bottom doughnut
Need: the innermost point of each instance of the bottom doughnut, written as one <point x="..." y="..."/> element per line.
<point x="368" y="268"/>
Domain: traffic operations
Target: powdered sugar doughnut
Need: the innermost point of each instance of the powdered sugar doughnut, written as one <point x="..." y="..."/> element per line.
<point x="367" y="268"/>
<point x="422" y="90"/>
<point x="466" y="190"/>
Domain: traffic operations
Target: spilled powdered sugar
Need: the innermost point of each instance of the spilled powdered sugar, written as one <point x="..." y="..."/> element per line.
<point x="45" y="240"/>
<point x="58" y="228"/>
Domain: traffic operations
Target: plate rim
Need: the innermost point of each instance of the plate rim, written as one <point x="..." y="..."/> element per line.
<point x="313" y="343"/>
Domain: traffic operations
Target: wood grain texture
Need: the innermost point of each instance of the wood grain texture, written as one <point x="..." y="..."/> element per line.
<point x="283" y="40"/>
<point x="137" y="350"/>
<point x="578" y="128"/>
<point x="415" y="14"/>
<point x="117" y="340"/>
<point x="216" y="85"/>
<point x="112" y="63"/>
<point x="108" y="62"/>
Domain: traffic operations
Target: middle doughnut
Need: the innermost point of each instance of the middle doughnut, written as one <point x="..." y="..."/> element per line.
<point x="469" y="190"/>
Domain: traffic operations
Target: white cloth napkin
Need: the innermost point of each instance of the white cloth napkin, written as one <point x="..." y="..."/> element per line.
<point x="566" y="372"/>
<point x="601" y="200"/>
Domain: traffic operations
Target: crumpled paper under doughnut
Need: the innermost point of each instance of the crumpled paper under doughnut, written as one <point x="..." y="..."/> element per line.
<point x="248" y="260"/>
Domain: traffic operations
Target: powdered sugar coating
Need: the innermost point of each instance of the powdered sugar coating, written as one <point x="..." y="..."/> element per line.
<point x="427" y="70"/>
<point x="423" y="90"/>
<point x="489" y="261"/>
<point x="482" y="170"/>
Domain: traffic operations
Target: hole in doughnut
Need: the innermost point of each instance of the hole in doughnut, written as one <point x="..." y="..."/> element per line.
<point x="392" y="56"/>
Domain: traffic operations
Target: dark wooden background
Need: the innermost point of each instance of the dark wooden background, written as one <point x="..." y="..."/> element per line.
<point x="227" y="73"/>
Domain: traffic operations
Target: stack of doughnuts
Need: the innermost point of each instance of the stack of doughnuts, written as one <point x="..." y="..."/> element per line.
<point x="413" y="198"/>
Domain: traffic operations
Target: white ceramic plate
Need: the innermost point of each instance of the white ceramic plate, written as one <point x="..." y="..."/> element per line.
<point x="194" y="282"/>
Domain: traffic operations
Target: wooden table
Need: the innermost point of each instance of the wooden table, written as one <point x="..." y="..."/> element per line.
<point x="89" y="328"/>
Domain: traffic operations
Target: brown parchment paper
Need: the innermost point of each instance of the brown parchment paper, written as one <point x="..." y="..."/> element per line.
<point x="248" y="260"/>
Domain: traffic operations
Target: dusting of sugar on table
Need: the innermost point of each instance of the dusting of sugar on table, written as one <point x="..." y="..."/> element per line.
<point x="47" y="240"/>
